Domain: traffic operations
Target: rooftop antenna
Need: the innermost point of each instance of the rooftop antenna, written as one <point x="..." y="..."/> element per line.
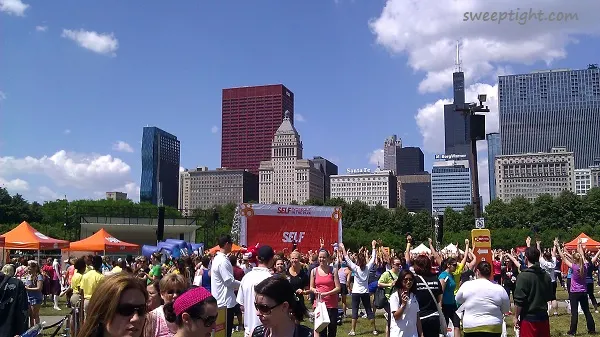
<point x="458" y="62"/>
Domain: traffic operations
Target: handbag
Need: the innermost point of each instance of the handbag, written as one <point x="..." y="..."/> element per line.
<point x="321" y="316"/>
<point x="443" y="326"/>
<point x="380" y="300"/>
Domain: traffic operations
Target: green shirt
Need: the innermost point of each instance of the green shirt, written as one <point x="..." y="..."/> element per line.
<point x="155" y="271"/>
<point x="388" y="277"/>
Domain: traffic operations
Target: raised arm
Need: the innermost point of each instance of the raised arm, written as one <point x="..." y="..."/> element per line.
<point x="436" y="256"/>
<point x="347" y="258"/>
<point x="565" y="258"/>
<point x="407" y="251"/>
<point x="374" y="254"/>
<point x="464" y="259"/>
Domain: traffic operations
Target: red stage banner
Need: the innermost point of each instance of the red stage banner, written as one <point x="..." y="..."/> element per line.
<point x="280" y="225"/>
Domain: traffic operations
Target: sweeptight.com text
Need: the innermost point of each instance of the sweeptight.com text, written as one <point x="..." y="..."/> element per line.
<point x="519" y="16"/>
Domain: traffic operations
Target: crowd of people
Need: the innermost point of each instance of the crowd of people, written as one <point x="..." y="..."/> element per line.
<point x="265" y="293"/>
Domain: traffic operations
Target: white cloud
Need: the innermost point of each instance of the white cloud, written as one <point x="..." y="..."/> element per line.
<point x="13" y="7"/>
<point x="67" y="131"/>
<point x="214" y="129"/>
<point x="299" y="118"/>
<point x="430" y="118"/>
<point x="46" y="194"/>
<point x="41" y="28"/>
<point x="181" y="169"/>
<point x="100" y="43"/>
<point x="15" y="185"/>
<point x="427" y="30"/>
<point x="376" y="157"/>
<point x="122" y="146"/>
<point x="67" y="169"/>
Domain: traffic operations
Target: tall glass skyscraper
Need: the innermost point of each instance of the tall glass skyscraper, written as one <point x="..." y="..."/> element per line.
<point x="456" y="124"/>
<point x="450" y="185"/>
<point x="494" y="147"/>
<point x="160" y="167"/>
<point x="555" y="108"/>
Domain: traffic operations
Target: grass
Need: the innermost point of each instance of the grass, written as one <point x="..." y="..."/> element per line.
<point x="558" y="325"/>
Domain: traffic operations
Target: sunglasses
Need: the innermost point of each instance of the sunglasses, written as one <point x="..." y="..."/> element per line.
<point x="127" y="310"/>
<point x="209" y="320"/>
<point x="173" y="292"/>
<point x="265" y="309"/>
<point x="409" y="279"/>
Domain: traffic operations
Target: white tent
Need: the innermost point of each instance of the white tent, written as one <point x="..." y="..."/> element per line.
<point x="420" y="249"/>
<point x="451" y="248"/>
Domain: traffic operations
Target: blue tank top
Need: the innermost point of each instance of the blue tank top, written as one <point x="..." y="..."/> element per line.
<point x="205" y="280"/>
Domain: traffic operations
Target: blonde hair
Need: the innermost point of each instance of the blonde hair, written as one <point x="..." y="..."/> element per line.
<point x="172" y="281"/>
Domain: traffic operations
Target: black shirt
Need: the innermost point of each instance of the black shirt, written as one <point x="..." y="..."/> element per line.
<point x="299" y="281"/>
<point x="509" y="276"/>
<point x="427" y="304"/>
<point x="467" y="275"/>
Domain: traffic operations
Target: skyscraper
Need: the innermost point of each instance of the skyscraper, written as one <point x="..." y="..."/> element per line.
<point x="250" y="117"/>
<point x="328" y="169"/>
<point x="494" y="145"/>
<point x="160" y="167"/>
<point x="450" y="185"/>
<point x="456" y="124"/>
<point x="554" y="108"/>
<point x="402" y="160"/>
<point x="390" y="150"/>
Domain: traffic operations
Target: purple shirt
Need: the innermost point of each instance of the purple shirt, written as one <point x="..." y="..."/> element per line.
<point x="578" y="279"/>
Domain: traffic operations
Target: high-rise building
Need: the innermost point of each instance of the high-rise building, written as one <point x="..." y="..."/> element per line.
<point x="402" y="160"/>
<point x="494" y="147"/>
<point x="373" y="188"/>
<point x="450" y="185"/>
<point x="328" y="169"/>
<point x="203" y="188"/>
<point x="456" y="124"/>
<point x="286" y="177"/>
<point x="417" y="189"/>
<point x="532" y="174"/>
<point x="555" y="108"/>
<point x="391" y="146"/>
<point x="116" y="196"/>
<point x="160" y="167"/>
<point x="250" y="117"/>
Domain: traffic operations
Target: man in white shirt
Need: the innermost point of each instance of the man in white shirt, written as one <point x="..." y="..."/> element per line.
<point x="548" y="264"/>
<point x="223" y="284"/>
<point x="246" y="294"/>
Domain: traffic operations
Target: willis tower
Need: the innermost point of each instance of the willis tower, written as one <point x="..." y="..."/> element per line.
<point x="456" y="124"/>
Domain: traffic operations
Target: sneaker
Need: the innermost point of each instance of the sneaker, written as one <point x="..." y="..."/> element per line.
<point x="57" y="308"/>
<point x="351" y="333"/>
<point x="375" y="333"/>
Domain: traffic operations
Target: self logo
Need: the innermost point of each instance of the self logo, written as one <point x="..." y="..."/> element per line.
<point x="293" y="236"/>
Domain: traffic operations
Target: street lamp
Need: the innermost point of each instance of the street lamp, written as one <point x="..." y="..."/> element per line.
<point x="476" y="132"/>
<point x="436" y="228"/>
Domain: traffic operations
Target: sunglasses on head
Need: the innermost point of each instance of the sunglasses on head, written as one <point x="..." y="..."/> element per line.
<point x="130" y="309"/>
<point x="265" y="309"/>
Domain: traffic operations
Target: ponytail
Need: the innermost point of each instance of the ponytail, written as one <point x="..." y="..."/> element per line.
<point x="299" y="310"/>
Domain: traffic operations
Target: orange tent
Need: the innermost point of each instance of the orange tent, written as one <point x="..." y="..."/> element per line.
<point x="2" y="241"/>
<point x="234" y="249"/>
<point x="587" y="242"/>
<point x="28" y="238"/>
<point x="102" y="241"/>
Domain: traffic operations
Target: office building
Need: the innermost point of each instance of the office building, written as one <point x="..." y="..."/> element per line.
<point x="450" y="185"/>
<point x="533" y="174"/>
<point x="328" y="169"/>
<point x="203" y="188"/>
<point x="494" y="147"/>
<point x="116" y="196"/>
<point x="286" y="177"/>
<point x="160" y="167"/>
<point x="417" y="189"/>
<point x="554" y="108"/>
<point x="588" y="178"/>
<point x="372" y="188"/>
<point x="250" y="117"/>
<point x="402" y="160"/>
<point x="456" y="124"/>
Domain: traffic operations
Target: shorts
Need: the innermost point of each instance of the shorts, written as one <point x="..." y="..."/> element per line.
<point x="34" y="298"/>
<point x="75" y="299"/>
<point x="344" y="290"/>
<point x="54" y="287"/>
<point x="237" y="310"/>
<point x="553" y="295"/>
<point x="449" y="311"/>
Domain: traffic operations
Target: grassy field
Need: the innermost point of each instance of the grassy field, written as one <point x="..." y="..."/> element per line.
<point x="558" y="325"/>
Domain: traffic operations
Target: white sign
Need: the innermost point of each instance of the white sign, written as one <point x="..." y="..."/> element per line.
<point x="355" y="171"/>
<point x="450" y="156"/>
<point x="480" y="223"/>
<point x="482" y="251"/>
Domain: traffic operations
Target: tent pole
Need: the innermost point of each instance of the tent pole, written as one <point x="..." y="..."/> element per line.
<point x="38" y="258"/>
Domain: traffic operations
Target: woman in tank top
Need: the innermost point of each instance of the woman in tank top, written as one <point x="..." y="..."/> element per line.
<point x="325" y="284"/>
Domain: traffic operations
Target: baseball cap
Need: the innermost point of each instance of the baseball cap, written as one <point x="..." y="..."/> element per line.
<point x="265" y="253"/>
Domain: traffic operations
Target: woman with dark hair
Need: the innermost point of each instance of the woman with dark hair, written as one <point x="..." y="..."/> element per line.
<point x="117" y="309"/>
<point x="448" y="301"/>
<point x="195" y="313"/>
<point x="426" y="285"/>
<point x="404" y="307"/>
<point x="484" y="304"/>
<point x="360" y="288"/>
<point x="278" y="309"/>
<point x="325" y="284"/>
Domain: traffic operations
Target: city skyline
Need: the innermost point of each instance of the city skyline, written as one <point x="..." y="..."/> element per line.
<point x="73" y="110"/>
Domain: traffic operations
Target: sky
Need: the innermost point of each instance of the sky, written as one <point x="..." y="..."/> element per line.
<point x="80" y="79"/>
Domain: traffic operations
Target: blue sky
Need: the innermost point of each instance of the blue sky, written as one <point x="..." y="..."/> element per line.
<point x="78" y="77"/>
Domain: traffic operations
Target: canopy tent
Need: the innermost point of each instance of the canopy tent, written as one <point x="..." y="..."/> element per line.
<point x="2" y="241"/>
<point x="451" y="248"/>
<point x="234" y="249"/>
<point x="26" y="237"/>
<point x="587" y="242"/>
<point x="102" y="241"/>
<point x="421" y="249"/>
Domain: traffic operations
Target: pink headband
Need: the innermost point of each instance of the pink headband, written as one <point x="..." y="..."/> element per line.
<point x="189" y="299"/>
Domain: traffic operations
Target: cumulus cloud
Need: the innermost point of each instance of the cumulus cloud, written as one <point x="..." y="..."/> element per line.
<point x="13" y="7"/>
<point x="426" y="31"/>
<point x="214" y="129"/>
<point x="65" y="169"/>
<point x="122" y="146"/>
<point x="299" y="118"/>
<point x="376" y="157"/>
<point x="101" y="43"/>
<point x="47" y="194"/>
<point x="41" y="28"/>
<point x="14" y="185"/>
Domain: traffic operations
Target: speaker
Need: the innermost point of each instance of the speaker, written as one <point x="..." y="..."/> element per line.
<point x="160" y="231"/>
<point x="477" y="123"/>
<point x="440" y="234"/>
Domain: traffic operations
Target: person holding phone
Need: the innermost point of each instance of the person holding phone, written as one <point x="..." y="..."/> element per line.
<point x="404" y="307"/>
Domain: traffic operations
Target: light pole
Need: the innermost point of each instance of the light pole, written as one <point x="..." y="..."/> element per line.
<point x="66" y="217"/>
<point x="476" y="132"/>
<point x="436" y="228"/>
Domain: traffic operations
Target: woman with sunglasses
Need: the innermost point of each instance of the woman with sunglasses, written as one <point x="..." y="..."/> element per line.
<point x="404" y="307"/>
<point x="278" y="309"/>
<point x="171" y="286"/>
<point x="117" y="309"/>
<point x="448" y="283"/>
<point x="194" y="312"/>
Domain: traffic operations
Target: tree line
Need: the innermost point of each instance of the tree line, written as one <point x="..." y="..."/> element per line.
<point x="564" y="216"/>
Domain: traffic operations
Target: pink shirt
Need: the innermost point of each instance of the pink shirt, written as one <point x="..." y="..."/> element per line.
<point x="325" y="284"/>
